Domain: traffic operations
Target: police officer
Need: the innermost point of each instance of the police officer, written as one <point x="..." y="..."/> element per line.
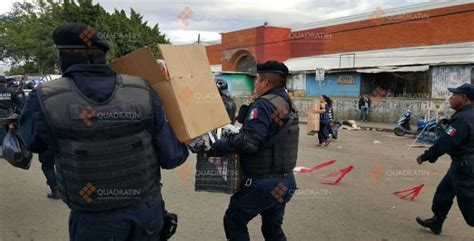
<point x="267" y="145"/>
<point x="10" y="103"/>
<point x="109" y="137"/>
<point x="458" y="142"/>
<point x="229" y="103"/>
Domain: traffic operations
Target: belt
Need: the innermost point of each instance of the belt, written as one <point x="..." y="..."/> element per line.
<point x="270" y="176"/>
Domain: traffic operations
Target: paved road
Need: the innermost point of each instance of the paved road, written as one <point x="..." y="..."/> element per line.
<point x="362" y="207"/>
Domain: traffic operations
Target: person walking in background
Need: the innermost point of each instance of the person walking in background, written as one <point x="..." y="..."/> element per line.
<point x="323" y="133"/>
<point x="330" y="114"/>
<point x="364" y="106"/>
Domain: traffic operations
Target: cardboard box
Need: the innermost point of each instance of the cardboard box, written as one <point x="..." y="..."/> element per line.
<point x="186" y="87"/>
<point x="313" y="118"/>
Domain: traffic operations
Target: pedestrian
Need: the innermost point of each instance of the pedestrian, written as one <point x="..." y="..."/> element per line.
<point x="323" y="133"/>
<point x="364" y="107"/>
<point x="109" y="138"/>
<point x="267" y="145"/>
<point x="331" y="117"/>
<point x="458" y="142"/>
<point x="229" y="103"/>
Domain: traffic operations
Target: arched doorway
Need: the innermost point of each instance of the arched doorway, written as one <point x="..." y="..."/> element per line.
<point x="244" y="61"/>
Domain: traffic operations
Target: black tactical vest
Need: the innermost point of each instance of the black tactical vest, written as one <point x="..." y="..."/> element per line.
<point x="106" y="159"/>
<point x="278" y="153"/>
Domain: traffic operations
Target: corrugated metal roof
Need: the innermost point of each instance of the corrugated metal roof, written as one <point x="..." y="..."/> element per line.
<point x="383" y="13"/>
<point x="460" y="53"/>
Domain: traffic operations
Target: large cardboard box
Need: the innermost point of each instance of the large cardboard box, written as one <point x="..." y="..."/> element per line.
<point x="185" y="85"/>
<point x="313" y="118"/>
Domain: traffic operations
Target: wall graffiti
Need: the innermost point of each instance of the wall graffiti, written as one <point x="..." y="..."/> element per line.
<point x="448" y="76"/>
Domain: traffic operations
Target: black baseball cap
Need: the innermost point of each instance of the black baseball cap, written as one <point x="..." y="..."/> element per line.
<point x="467" y="89"/>
<point x="272" y="67"/>
<point x="78" y="36"/>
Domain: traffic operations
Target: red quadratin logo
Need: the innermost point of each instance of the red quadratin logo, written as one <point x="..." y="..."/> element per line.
<point x="184" y="15"/>
<point x="87" y="35"/>
<point x="87" y="114"/>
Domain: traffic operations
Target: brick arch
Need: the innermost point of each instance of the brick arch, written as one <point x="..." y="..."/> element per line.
<point x="237" y="56"/>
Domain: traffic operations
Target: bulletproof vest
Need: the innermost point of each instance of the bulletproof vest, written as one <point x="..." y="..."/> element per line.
<point x="105" y="158"/>
<point x="278" y="153"/>
<point x="6" y="102"/>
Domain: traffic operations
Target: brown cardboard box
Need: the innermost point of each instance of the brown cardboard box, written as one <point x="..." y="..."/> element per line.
<point x="313" y="118"/>
<point x="186" y="87"/>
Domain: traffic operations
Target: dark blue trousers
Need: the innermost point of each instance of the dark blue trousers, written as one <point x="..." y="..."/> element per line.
<point x="266" y="197"/>
<point x="458" y="182"/>
<point x="47" y="165"/>
<point x="141" y="223"/>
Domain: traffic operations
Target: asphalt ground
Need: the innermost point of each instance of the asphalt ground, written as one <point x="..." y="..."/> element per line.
<point x="361" y="207"/>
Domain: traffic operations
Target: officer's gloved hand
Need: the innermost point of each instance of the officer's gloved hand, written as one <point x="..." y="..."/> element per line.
<point x="215" y="150"/>
<point x="198" y="145"/>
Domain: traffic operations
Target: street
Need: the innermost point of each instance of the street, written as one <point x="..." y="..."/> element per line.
<point x="361" y="207"/>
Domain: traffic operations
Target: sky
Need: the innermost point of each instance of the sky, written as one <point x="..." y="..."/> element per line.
<point x="211" y="17"/>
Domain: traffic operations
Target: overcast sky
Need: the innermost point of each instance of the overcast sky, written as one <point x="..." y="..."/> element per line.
<point x="212" y="17"/>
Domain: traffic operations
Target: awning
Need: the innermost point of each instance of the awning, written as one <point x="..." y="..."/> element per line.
<point x="421" y="68"/>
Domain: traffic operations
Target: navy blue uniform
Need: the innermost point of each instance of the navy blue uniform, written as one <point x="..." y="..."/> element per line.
<point x="10" y="102"/>
<point x="144" y="221"/>
<point x="255" y="197"/>
<point x="458" y="143"/>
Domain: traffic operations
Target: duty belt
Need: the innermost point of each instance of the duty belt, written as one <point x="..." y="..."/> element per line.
<point x="270" y="176"/>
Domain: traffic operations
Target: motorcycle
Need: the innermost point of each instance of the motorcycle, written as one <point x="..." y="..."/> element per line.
<point x="428" y="129"/>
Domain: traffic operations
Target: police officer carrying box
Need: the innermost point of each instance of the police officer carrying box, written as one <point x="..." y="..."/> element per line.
<point x="109" y="137"/>
<point x="458" y="143"/>
<point x="267" y="145"/>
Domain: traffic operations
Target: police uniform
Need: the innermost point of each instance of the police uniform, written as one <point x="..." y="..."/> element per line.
<point x="267" y="145"/>
<point x="109" y="137"/>
<point x="458" y="142"/>
<point x="10" y="103"/>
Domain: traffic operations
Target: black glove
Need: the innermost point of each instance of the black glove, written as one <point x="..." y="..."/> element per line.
<point x="170" y="224"/>
<point x="214" y="151"/>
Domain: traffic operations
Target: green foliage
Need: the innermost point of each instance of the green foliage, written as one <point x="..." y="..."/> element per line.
<point x="25" y="32"/>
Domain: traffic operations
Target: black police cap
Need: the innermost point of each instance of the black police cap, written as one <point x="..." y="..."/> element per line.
<point x="78" y="36"/>
<point x="467" y="89"/>
<point x="272" y="67"/>
<point x="3" y="79"/>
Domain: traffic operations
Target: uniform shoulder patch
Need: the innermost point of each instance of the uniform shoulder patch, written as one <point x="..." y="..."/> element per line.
<point x="253" y="114"/>
<point x="450" y="131"/>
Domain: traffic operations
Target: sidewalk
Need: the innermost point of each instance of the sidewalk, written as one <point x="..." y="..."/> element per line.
<point x="379" y="126"/>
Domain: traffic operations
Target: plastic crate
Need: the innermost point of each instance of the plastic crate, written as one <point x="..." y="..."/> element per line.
<point x="218" y="174"/>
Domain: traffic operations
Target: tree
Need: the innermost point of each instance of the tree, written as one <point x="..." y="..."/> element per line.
<point x="25" y="32"/>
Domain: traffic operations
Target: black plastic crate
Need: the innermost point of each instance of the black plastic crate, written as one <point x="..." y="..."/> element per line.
<point x="218" y="174"/>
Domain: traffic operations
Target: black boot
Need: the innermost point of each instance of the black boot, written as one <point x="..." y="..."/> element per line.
<point x="54" y="194"/>
<point x="435" y="223"/>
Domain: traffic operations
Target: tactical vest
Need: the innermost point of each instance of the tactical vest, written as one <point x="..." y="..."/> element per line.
<point x="278" y="153"/>
<point x="105" y="158"/>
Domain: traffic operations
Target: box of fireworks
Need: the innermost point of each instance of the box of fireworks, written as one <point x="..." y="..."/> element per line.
<point x="218" y="174"/>
<point x="313" y="118"/>
<point x="185" y="85"/>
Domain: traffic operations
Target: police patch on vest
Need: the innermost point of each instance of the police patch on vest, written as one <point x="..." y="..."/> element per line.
<point x="89" y="114"/>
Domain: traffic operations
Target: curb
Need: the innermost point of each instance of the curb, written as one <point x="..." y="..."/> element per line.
<point x="363" y="127"/>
